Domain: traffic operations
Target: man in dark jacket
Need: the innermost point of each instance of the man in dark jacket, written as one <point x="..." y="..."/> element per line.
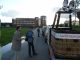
<point x="30" y="38"/>
<point x="38" y="30"/>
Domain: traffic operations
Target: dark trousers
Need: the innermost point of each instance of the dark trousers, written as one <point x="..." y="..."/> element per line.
<point x="38" y="34"/>
<point x="31" y="46"/>
<point x="45" y="40"/>
<point x="42" y="33"/>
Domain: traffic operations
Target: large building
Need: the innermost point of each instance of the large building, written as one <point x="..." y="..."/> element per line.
<point x="27" y="22"/>
<point x="43" y="20"/>
<point x="30" y="22"/>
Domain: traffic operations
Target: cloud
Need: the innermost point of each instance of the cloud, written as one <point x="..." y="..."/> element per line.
<point x="65" y="16"/>
<point x="55" y="9"/>
<point x="9" y="13"/>
<point x="1" y="6"/>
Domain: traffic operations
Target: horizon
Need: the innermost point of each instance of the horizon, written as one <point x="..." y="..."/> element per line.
<point x="29" y="8"/>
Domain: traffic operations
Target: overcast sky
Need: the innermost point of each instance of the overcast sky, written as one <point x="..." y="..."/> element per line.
<point x="29" y="9"/>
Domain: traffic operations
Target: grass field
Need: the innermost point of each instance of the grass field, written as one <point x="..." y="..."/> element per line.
<point x="7" y="34"/>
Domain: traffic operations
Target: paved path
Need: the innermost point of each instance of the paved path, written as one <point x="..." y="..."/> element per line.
<point x="40" y="47"/>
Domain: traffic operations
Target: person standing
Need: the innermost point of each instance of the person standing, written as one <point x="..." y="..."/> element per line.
<point x="16" y="43"/>
<point x="30" y="38"/>
<point x="38" y="30"/>
<point x="43" y="32"/>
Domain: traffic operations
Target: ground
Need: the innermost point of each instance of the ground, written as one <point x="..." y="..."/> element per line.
<point x="40" y="46"/>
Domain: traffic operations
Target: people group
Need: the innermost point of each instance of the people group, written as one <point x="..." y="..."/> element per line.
<point x="16" y="42"/>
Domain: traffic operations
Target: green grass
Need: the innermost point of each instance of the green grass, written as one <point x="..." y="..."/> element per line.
<point x="77" y="28"/>
<point x="7" y="34"/>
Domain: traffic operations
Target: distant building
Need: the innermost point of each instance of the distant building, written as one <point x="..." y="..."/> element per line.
<point x="25" y="22"/>
<point x="37" y="21"/>
<point x="6" y="24"/>
<point x="30" y="22"/>
<point x="43" y="20"/>
<point x="73" y="22"/>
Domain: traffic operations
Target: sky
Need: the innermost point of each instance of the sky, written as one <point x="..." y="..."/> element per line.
<point x="29" y="9"/>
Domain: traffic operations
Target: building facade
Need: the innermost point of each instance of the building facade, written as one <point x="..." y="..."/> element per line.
<point x="43" y="20"/>
<point x="73" y="23"/>
<point x="6" y="25"/>
<point x="29" y="22"/>
<point x="25" y="22"/>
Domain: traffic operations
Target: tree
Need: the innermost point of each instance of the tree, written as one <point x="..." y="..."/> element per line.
<point x="77" y="3"/>
<point x="78" y="13"/>
<point x="78" y="16"/>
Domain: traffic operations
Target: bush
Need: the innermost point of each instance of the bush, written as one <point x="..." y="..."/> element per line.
<point x="77" y="27"/>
